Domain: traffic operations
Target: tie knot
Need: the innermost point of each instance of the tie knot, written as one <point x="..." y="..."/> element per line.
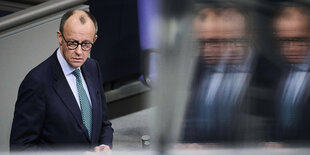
<point x="76" y="73"/>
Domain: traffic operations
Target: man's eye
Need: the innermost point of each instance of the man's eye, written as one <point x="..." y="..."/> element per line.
<point x="72" y="43"/>
<point x="86" y="44"/>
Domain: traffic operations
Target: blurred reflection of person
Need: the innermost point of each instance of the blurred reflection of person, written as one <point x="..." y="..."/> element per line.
<point x="214" y="112"/>
<point x="292" y="111"/>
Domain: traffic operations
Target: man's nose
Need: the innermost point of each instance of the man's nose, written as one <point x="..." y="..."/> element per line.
<point x="79" y="50"/>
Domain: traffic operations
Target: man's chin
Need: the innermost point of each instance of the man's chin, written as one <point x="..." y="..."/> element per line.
<point x="76" y="64"/>
<point x="296" y="60"/>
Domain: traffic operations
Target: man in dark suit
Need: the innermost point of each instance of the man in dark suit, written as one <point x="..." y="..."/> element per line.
<point x="61" y="102"/>
<point x="292" y="30"/>
<point x="223" y="72"/>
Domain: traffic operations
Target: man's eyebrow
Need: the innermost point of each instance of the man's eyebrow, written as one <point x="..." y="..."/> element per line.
<point x="84" y="41"/>
<point x="87" y="41"/>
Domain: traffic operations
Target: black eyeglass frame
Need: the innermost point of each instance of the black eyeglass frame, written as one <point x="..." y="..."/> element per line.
<point x="297" y="41"/>
<point x="238" y="42"/>
<point x="76" y="43"/>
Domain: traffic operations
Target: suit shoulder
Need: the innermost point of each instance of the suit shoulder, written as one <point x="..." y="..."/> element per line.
<point x="91" y="62"/>
<point x="40" y="72"/>
<point x="92" y="65"/>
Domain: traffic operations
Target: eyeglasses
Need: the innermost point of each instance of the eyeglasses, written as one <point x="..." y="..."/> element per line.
<point x="72" y="45"/>
<point x="224" y="42"/>
<point x="297" y="41"/>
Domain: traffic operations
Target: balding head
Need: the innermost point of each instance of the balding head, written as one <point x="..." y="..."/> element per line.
<point x="82" y="16"/>
<point x="292" y="30"/>
<point x="219" y="23"/>
<point x="223" y="35"/>
<point x="292" y="20"/>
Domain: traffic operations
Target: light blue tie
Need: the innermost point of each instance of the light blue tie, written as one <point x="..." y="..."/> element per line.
<point x="84" y="102"/>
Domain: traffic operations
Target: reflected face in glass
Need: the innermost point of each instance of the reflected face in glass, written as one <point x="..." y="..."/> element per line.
<point x="293" y="35"/>
<point x="222" y="36"/>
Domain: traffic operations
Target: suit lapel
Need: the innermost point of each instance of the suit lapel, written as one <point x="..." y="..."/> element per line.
<point x="93" y="96"/>
<point x="305" y="97"/>
<point x="64" y="91"/>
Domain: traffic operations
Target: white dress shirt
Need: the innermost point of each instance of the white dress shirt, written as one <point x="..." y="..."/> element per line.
<point x="67" y="70"/>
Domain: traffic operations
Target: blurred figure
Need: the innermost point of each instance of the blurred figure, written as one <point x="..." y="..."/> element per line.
<point x="292" y="109"/>
<point x="292" y="31"/>
<point x="215" y="110"/>
<point x="222" y="36"/>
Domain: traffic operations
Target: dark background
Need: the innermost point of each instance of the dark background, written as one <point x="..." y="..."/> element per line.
<point x="117" y="49"/>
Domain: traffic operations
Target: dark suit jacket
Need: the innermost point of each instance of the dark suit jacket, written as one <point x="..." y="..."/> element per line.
<point x="272" y="77"/>
<point x="300" y="130"/>
<point x="196" y="126"/>
<point x="47" y="115"/>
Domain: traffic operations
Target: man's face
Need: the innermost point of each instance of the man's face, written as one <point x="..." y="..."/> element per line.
<point x="74" y="30"/>
<point x="222" y="36"/>
<point x="292" y="33"/>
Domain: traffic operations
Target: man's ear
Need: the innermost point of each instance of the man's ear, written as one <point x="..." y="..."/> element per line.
<point x="95" y="38"/>
<point x="59" y="37"/>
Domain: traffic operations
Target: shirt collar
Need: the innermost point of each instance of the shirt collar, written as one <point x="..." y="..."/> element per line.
<point x="299" y="67"/>
<point x="66" y="68"/>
